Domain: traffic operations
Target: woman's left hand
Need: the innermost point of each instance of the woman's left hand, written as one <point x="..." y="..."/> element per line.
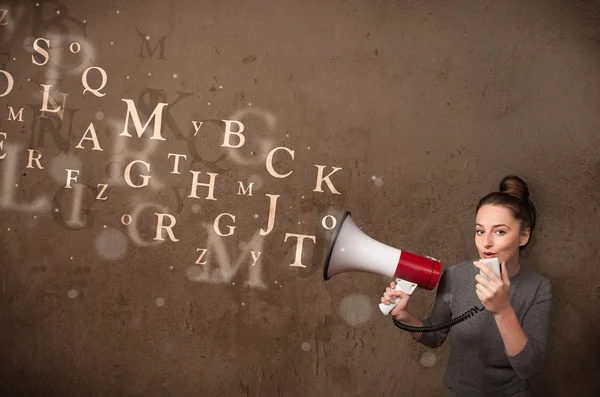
<point x="493" y="293"/>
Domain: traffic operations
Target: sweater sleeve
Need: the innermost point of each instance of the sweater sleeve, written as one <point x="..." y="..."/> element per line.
<point x="440" y="313"/>
<point x="529" y="361"/>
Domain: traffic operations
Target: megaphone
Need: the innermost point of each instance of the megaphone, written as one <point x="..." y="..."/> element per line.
<point x="351" y="250"/>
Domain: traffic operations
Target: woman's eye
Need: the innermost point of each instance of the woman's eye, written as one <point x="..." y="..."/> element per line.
<point x="480" y="232"/>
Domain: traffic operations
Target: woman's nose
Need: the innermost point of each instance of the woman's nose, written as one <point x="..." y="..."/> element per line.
<point x="487" y="240"/>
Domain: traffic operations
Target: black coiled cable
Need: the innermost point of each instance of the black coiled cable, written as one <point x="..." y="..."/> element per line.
<point x="437" y="327"/>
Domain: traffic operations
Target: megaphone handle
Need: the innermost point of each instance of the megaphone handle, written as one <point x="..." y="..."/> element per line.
<point x="406" y="286"/>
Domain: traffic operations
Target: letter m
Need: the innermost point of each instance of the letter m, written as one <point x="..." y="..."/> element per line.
<point x="243" y="191"/>
<point x="146" y="46"/>
<point x="13" y="117"/>
<point x="133" y="114"/>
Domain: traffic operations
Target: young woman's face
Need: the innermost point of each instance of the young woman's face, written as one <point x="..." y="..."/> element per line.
<point x="497" y="233"/>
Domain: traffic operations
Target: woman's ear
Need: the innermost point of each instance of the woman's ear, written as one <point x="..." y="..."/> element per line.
<point x="524" y="238"/>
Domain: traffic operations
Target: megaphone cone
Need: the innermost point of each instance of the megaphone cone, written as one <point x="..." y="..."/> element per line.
<point x="352" y="250"/>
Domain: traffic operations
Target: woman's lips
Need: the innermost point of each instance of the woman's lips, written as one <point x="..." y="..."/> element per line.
<point x="489" y="255"/>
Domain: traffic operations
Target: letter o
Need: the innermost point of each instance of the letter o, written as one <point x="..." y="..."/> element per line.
<point x="333" y="222"/>
<point x="76" y="45"/>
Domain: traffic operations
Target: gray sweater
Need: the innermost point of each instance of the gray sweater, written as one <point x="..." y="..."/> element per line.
<point x="478" y="364"/>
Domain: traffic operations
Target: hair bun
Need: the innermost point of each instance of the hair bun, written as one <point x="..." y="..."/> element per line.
<point x="515" y="186"/>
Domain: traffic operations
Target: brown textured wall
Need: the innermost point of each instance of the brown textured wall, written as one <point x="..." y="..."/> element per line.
<point x="424" y="106"/>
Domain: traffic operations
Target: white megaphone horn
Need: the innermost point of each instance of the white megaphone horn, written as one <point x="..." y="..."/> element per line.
<point x="353" y="251"/>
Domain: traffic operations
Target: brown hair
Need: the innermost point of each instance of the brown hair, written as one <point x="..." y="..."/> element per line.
<point x="514" y="194"/>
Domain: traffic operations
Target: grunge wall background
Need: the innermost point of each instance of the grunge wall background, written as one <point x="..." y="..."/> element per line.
<point x="403" y="112"/>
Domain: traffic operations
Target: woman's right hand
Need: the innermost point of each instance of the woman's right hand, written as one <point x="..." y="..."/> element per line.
<point x="390" y="295"/>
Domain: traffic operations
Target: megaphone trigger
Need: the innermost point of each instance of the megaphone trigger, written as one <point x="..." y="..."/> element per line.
<point x="405" y="286"/>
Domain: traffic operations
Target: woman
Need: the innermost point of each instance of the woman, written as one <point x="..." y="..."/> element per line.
<point x="494" y="352"/>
